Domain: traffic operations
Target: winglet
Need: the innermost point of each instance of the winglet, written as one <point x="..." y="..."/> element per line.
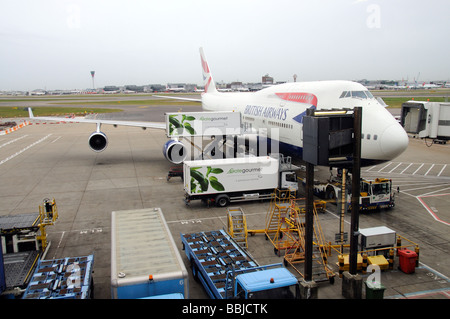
<point x="210" y="86"/>
<point x="30" y="112"/>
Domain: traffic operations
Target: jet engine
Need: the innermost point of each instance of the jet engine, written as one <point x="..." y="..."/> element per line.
<point x="174" y="151"/>
<point x="98" y="141"/>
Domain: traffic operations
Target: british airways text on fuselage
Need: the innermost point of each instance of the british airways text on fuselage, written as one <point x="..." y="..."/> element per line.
<point x="278" y="113"/>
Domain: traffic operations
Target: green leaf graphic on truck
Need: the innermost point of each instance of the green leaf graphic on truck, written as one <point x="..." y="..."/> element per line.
<point x="176" y="127"/>
<point x="200" y="183"/>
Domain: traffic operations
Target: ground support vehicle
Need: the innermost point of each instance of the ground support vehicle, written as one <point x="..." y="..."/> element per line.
<point x="222" y="181"/>
<point x="227" y="271"/>
<point x="23" y="240"/>
<point x="175" y="171"/>
<point x="374" y="194"/>
<point x="67" y="278"/>
<point x="145" y="261"/>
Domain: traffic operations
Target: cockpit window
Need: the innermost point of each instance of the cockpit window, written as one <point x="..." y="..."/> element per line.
<point x="369" y="95"/>
<point x="357" y="94"/>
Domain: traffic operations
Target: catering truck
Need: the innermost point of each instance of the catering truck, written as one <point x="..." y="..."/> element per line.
<point x="237" y="179"/>
<point x="226" y="271"/>
<point x="145" y="262"/>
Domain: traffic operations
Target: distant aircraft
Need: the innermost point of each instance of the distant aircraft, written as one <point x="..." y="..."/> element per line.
<point x="279" y="111"/>
<point x="430" y="86"/>
<point x="171" y="89"/>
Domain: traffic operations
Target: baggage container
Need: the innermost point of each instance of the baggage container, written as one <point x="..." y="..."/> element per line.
<point x="145" y="261"/>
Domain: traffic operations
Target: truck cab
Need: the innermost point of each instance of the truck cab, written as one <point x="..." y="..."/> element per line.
<point x="376" y="194"/>
<point x="288" y="180"/>
<point x="276" y="283"/>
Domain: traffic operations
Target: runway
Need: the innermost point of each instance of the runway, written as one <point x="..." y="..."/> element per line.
<point x="54" y="161"/>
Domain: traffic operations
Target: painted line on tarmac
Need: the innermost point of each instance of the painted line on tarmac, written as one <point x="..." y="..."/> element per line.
<point x="23" y="150"/>
<point x="429" y="210"/>
<point x="418" y="168"/>
<point x="12" y="141"/>
<point x="429" y="170"/>
<point x="406" y="168"/>
<point x="442" y="170"/>
<point x="445" y="292"/>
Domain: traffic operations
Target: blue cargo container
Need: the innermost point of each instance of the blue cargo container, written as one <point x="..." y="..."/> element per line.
<point x="145" y="261"/>
<point x="226" y="271"/>
<point x="66" y="278"/>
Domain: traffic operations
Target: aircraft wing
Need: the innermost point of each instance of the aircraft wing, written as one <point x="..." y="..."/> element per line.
<point x="157" y="125"/>
<point x="177" y="98"/>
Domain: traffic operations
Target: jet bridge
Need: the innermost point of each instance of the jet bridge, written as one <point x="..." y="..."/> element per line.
<point x="427" y="120"/>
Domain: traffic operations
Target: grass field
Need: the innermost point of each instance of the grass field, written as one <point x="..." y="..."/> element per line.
<point x="134" y="102"/>
<point x="396" y="102"/>
<point x="8" y="111"/>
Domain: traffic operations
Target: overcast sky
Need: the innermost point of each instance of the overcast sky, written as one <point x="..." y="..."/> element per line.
<point x="55" y="44"/>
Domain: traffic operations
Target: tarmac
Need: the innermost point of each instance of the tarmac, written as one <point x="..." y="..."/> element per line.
<point x="44" y="160"/>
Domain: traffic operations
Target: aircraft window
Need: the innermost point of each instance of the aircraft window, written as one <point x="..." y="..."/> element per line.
<point x="359" y="94"/>
<point x="375" y="137"/>
<point x="362" y="136"/>
<point x="369" y="95"/>
<point x="368" y="136"/>
<point x="348" y="94"/>
<point x="343" y="94"/>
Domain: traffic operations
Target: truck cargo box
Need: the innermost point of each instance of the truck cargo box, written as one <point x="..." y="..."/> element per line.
<point x="230" y="175"/>
<point x="203" y="123"/>
<point x="377" y="237"/>
<point x="145" y="261"/>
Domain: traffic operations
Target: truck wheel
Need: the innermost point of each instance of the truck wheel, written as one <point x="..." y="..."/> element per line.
<point x="194" y="272"/>
<point x="222" y="200"/>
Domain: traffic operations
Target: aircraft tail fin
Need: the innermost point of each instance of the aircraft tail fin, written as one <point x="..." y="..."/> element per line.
<point x="30" y="113"/>
<point x="210" y="86"/>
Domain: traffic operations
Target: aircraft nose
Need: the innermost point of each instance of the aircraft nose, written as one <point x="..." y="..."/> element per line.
<point x="394" y="141"/>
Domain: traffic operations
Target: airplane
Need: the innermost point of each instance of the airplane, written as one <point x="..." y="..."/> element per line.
<point x="430" y="86"/>
<point x="279" y="109"/>
<point x="177" y="89"/>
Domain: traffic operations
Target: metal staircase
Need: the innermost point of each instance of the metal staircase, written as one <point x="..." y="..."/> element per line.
<point x="237" y="226"/>
<point x="295" y="255"/>
<point x="276" y="216"/>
